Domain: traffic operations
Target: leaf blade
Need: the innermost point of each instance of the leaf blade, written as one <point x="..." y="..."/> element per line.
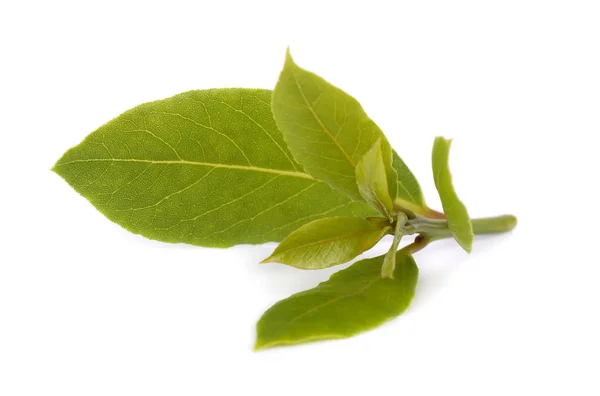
<point x="327" y="130"/>
<point x="327" y="242"/>
<point x="458" y="218"/>
<point x="351" y="301"/>
<point x="192" y="168"/>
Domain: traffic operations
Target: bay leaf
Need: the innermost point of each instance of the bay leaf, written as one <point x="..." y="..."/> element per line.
<point x="326" y="242"/>
<point x="456" y="213"/>
<point x="351" y="301"/>
<point x="206" y="167"/>
<point x="328" y="132"/>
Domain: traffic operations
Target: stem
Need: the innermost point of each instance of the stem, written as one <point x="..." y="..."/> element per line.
<point x="389" y="262"/>
<point x="493" y="225"/>
<point x="437" y="229"/>
<point x="418" y="244"/>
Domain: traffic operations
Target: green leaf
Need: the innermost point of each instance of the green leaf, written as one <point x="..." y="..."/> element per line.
<point x="372" y="177"/>
<point x="327" y="242"/>
<point x="326" y="129"/>
<point x="409" y="189"/>
<point x="206" y="168"/>
<point x="455" y="211"/>
<point x="351" y="301"/>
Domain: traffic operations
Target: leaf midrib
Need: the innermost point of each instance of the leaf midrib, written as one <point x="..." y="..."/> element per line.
<point x="251" y="168"/>
<point x="336" y="299"/>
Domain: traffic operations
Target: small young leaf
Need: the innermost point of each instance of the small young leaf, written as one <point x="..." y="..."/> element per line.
<point x="327" y="130"/>
<point x="207" y="168"/>
<point x="455" y="211"/>
<point x="327" y="242"/>
<point x="372" y="177"/>
<point x="351" y="301"/>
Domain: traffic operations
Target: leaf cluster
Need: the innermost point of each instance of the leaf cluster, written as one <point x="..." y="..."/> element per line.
<point x="302" y="165"/>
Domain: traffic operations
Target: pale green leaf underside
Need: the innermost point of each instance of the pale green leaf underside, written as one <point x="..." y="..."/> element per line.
<point x="455" y="211"/>
<point x="206" y="168"/>
<point x="327" y="242"/>
<point x="328" y="131"/>
<point x="372" y="178"/>
<point x="351" y="301"/>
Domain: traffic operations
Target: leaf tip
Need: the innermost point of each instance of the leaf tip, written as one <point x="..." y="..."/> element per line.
<point x="55" y="169"/>
<point x="511" y="222"/>
<point x="288" y="56"/>
<point x="274" y="258"/>
<point x="261" y="345"/>
<point x="258" y="346"/>
<point x="467" y="245"/>
<point x="442" y="141"/>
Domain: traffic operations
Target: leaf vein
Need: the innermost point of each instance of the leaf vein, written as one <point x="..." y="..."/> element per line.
<point x="319" y="121"/>
<point x="281" y="172"/>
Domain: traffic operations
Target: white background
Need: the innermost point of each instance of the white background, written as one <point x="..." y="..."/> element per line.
<point x="88" y="309"/>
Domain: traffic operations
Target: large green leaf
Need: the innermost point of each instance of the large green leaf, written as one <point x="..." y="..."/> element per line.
<point x="455" y="211"/>
<point x="327" y="242"/>
<point x="204" y="167"/>
<point x="351" y="301"/>
<point x="327" y="130"/>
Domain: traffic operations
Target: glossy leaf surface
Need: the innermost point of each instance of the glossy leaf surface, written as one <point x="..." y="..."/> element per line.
<point x="351" y="301"/>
